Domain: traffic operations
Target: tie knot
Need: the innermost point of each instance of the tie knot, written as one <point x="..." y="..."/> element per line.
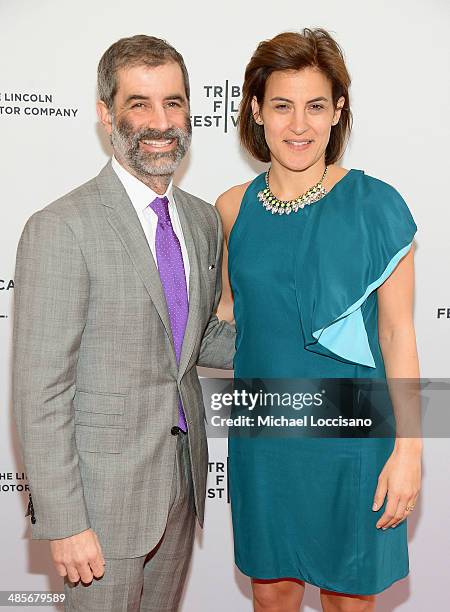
<point x="161" y="208"/>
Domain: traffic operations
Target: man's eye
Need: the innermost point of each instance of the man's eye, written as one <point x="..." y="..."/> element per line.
<point x="174" y="104"/>
<point x="316" y="106"/>
<point x="138" y="105"/>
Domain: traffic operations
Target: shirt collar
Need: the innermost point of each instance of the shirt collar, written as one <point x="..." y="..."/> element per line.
<point x="138" y="192"/>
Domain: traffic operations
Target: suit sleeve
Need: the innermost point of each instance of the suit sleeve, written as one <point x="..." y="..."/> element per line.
<point x="218" y="343"/>
<point x="51" y="304"/>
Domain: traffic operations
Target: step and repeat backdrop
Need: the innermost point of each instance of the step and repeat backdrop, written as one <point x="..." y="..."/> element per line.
<point x="397" y="54"/>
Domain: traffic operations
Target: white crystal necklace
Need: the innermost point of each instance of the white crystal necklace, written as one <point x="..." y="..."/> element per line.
<point x="274" y="205"/>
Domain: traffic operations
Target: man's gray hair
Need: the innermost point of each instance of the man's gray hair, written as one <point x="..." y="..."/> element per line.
<point x="139" y="50"/>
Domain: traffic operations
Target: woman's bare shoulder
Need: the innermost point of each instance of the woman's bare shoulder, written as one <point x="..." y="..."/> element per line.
<point x="229" y="203"/>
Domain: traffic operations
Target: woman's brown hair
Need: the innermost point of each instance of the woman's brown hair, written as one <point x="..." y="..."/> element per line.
<point x="294" y="51"/>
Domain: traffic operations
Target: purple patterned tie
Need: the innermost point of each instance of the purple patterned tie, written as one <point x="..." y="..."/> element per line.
<point x="173" y="280"/>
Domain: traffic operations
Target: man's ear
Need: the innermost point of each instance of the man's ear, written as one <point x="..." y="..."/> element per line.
<point x="104" y="116"/>
<point x="256" y="111"/>
<point x="337" y="113"/>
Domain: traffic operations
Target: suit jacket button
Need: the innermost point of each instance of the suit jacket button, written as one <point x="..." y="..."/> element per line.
<point x="175" y="430"/>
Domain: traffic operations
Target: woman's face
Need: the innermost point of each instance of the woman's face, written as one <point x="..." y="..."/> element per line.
<point x="297" y="114"/>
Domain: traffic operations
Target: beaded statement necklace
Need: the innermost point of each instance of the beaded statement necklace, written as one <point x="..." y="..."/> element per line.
<point x="274" y="205"/>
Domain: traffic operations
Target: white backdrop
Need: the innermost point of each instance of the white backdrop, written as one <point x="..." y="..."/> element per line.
<point x="397" y="54"/>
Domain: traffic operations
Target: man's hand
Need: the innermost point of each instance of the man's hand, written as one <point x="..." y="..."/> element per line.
<point x="78" y="556"/>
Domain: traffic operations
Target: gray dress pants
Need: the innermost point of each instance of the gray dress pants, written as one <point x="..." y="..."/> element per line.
<point x="154" y="582"/>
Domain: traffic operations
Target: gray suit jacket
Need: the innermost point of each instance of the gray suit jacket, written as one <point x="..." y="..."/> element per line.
<point x="95" y="378"/>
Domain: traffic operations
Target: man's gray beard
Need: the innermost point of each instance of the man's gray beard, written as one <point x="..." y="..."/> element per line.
<point x="126" y="143"/>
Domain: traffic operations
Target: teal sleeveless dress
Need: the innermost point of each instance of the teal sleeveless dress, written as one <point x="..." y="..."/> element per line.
<point x="305" y="306"/>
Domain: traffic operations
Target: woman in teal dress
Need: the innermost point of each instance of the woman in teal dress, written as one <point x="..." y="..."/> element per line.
<point x="320" y="270"/>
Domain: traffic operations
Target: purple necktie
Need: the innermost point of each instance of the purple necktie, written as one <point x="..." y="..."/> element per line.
<point x="173" y="281"/>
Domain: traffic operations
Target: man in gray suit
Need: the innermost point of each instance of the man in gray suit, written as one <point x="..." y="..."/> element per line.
<point x="117" y="283"/>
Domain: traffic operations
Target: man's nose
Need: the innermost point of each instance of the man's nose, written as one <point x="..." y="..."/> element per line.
<point x="158" y="119"/>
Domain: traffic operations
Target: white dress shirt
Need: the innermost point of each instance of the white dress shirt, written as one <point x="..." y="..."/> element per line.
<point x="141" y="196"/>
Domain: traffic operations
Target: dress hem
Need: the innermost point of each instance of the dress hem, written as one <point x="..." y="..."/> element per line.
<point x="322" y="586"/>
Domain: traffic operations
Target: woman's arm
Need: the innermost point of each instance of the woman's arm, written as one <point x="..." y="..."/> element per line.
<point x="225" y="308"/>
<point x="400" y="477"/>
<point x="228" y="205"/>
<point x="395" y="321"/>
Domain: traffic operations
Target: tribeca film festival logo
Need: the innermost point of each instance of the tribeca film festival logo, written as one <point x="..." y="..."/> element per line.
<point x="443" y="313"/>
<point x="223" y="101"/>
<point x="32" y="105"/>
<point x="5" y="285"/>
<point x="217" y="481"/>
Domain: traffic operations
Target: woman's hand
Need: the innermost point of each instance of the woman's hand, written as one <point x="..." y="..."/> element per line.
<point x="400" y="479"/>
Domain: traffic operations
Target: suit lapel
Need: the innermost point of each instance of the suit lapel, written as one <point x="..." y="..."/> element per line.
<point x="190" y="232"/>
<point x="124" y="220"/>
